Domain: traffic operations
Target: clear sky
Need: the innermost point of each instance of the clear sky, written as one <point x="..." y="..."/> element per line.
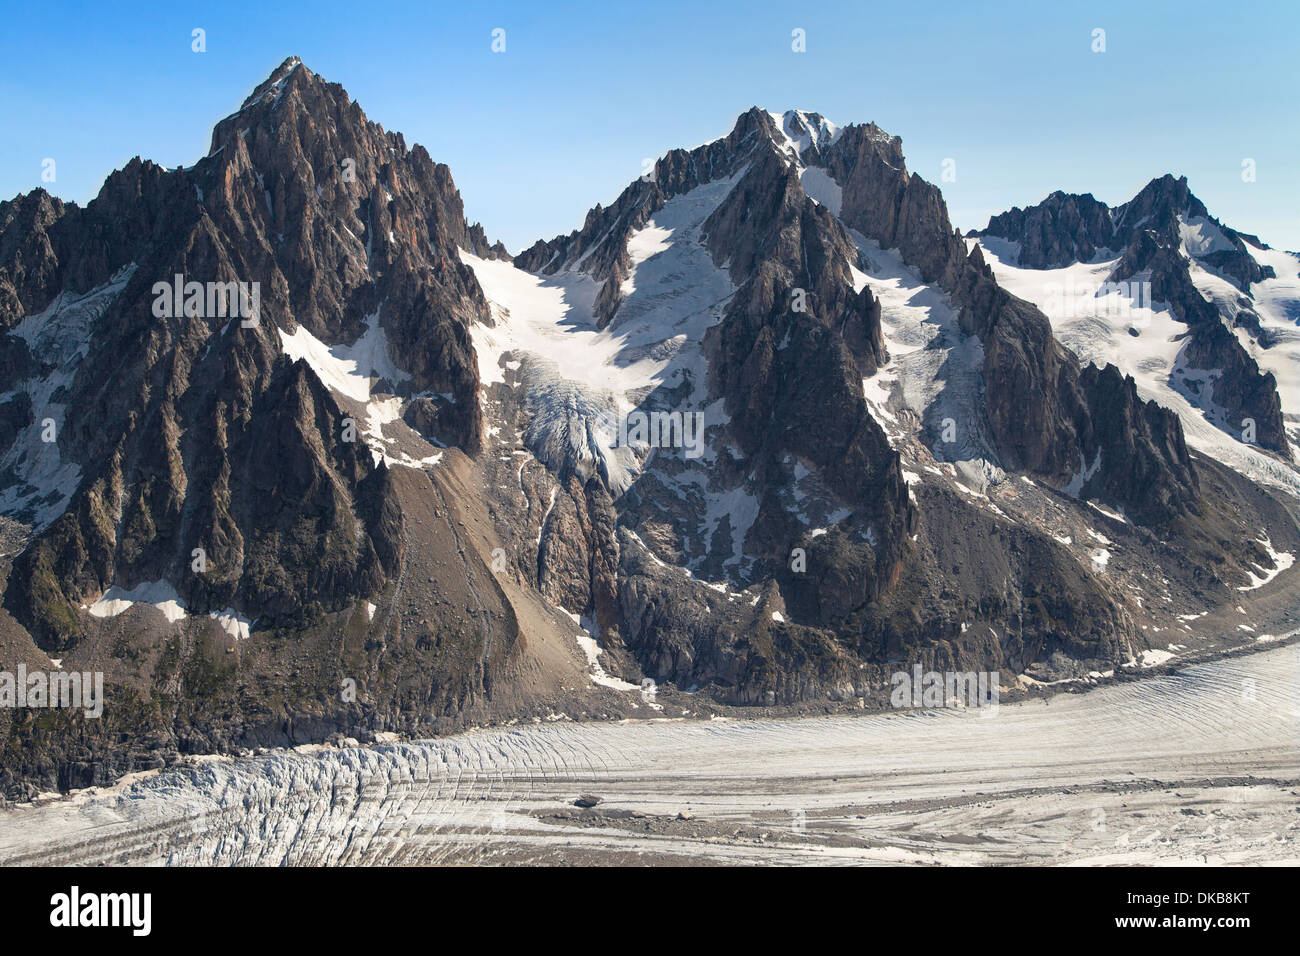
<point x="534" y="136"/>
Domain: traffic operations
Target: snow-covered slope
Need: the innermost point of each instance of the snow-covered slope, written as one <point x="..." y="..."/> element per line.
<point x="1104" y="322"/>
<point x="1277" y="304"/>
<point x="582" y="381"/>
<point x="365" y="373"/>
<point x="934" y="369"/>
<point x="36" y="481"/>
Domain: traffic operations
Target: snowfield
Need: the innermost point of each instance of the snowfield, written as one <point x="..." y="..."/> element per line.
<point x="1085" y="779"/>
<point x="365" y="374"/>
<point x="935" y="370"/>
<point x="581" y="380"/>
<point x="1096" y="329"/>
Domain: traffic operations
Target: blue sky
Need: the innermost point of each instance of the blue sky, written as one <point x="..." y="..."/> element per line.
<point x="583" y="92"/>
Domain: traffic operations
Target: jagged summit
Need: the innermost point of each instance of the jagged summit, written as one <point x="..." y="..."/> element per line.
<point x="806" y="132"/>
<point x="763" y="425"/>
<point x="790" y="207"/>
<point x="351" y="242"/>
<point x="1068" y="226"/>
<point x="1166" y="246"/>
<point x="275" y="83"/>
<point x="832" y="183"/>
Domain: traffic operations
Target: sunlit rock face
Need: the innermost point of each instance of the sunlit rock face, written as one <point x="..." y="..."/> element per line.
<point x="760" y="429"/>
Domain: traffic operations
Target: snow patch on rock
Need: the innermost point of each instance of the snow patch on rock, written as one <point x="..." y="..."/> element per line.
<point x="36" y="481"/>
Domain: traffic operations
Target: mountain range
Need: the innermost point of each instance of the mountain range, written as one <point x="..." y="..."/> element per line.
<point x="292" y="452"/>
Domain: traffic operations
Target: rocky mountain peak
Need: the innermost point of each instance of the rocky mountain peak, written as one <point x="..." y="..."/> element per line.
<point x="1063" y="228"/>
<point x="276" y="81"/>
<point x="422" y="455"/>
<point x="1169" y="248"/>
<point x="808" y="135"/>
<point x="347" y="240"/>
<point x="1160" y="203"/>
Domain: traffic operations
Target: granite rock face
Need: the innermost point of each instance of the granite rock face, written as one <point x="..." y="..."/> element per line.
<point x="198" y="433"/>
<point x="790" y="381"/>
<point x="1062" y="229"/>
<point x="411" y="469"/>
<point x="1036" y="408"/>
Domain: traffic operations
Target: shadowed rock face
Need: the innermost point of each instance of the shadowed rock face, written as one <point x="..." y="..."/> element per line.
<point x="1062" y="229"/>
<point x="1146" y="233"/>
<point x="792" y="379"/>
<point x="1039" y="414"/>
<point x="795" y="559"/>
<point x="789" y="377"/>
<point x="790" y="382"/>
<point x="194" y="432"/>
<point x="1142" y="440"/>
